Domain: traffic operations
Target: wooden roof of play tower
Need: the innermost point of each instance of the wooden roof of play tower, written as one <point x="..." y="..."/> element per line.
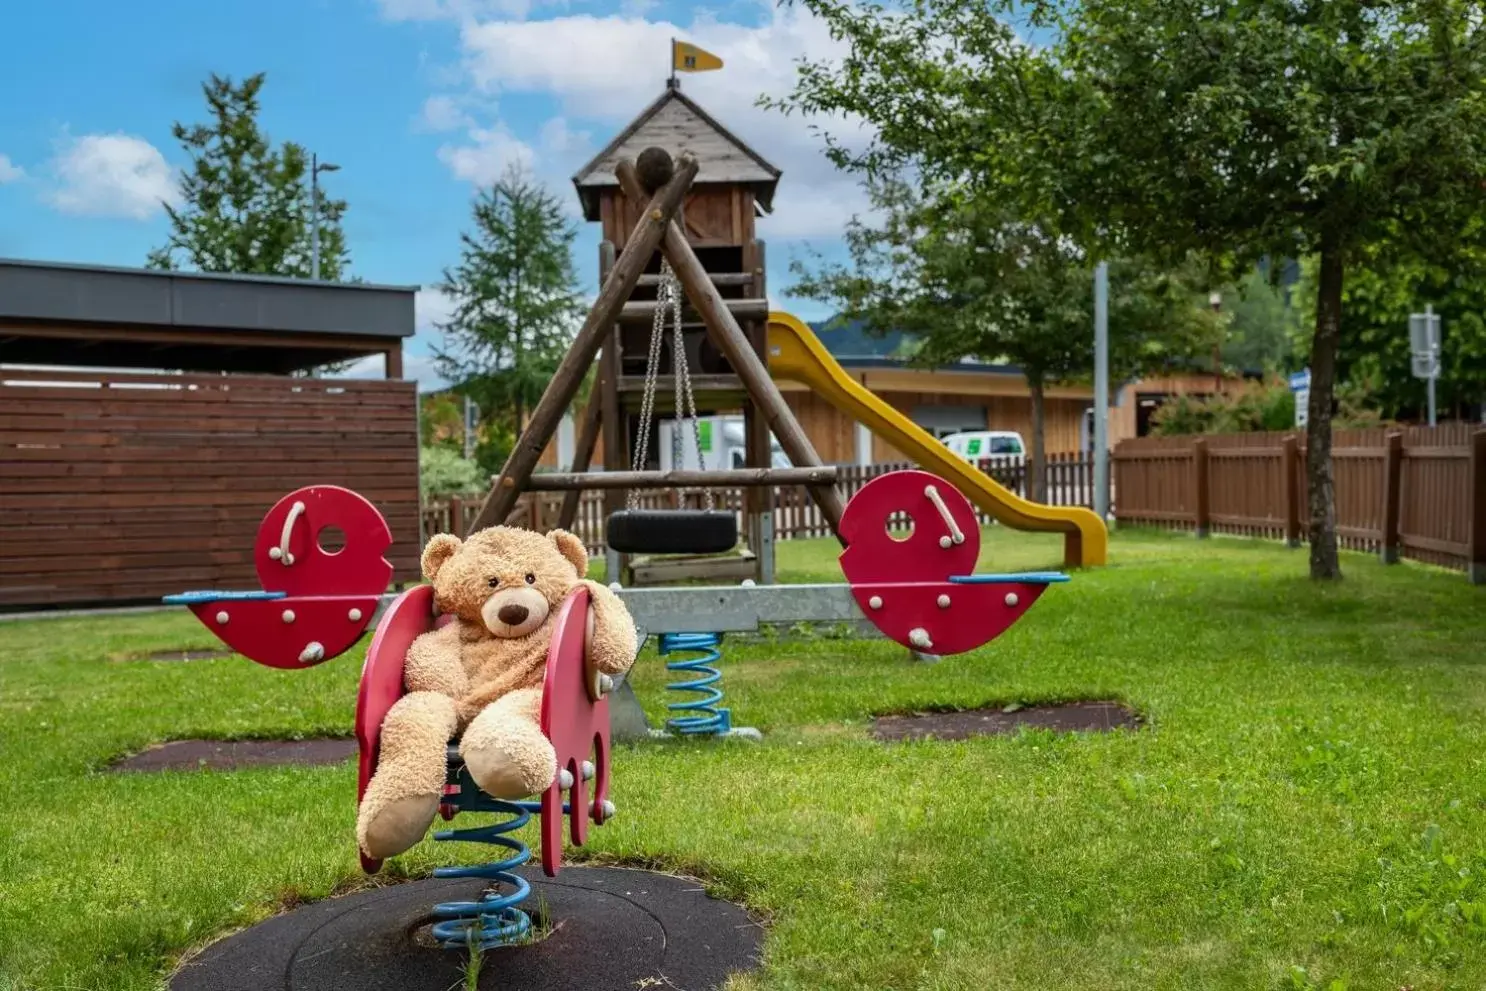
<point x="676" y="123"/>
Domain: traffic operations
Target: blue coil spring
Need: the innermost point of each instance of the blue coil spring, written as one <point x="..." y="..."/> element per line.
<point x="494" y="920"/>
<point x="703" y="715"/>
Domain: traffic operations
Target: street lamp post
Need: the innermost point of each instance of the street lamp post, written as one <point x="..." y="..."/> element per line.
<point x="1215" y="300"/>
<point x="316" y="167"/>
<point x="1101" y="390"/>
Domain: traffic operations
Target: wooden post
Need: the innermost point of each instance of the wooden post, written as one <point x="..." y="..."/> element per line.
<point x="654" y="224"/>
<point x="1204" y="490"/>
<point x="758" y="503"/>
<point x="456" y="514"/>
<point x="588" y="437"/>
<point x="612" y="419"/>
<point x="1392" y="477"/>
<point x="730" y="339"/>
<point x="1476" y="558"/>
<point x="1290" y="472"/>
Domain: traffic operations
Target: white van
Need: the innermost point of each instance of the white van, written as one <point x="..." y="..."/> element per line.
<point x="723" y="444"/>
<point x="976" y="445"/>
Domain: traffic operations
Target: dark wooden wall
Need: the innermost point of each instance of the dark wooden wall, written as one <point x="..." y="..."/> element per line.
<point x="118" y="487"/>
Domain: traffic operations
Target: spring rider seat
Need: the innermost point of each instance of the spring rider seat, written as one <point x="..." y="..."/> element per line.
<point x="574" y="717"/>
<point x="316" y="603"/>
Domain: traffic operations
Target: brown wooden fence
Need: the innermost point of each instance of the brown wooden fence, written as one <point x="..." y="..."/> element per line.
<point x="1070" y="482"/>
<point x="1417" y="493"/>
<point x="120" y="487"/>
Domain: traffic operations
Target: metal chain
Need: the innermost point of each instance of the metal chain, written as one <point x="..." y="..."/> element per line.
<point x="668" y="297"/>
<point x="683" y="387"/>
<point x="647" y="401"/>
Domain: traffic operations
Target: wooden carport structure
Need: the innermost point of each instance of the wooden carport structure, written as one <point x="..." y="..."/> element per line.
<point x="149" y="419"/>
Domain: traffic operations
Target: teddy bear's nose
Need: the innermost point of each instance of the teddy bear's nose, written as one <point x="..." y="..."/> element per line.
<point x="513" y="614"/>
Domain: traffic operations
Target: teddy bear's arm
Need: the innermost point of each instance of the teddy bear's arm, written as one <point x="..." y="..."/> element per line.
<point x="615" y="642"/>
<point x="433" y="663"/>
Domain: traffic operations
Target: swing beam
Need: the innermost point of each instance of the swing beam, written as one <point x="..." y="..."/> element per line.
<point x="726" y="478"/>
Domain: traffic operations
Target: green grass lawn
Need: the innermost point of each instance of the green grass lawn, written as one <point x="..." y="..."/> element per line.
<point x="1305" y="809"/>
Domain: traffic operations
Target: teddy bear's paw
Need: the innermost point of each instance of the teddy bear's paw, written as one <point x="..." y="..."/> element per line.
<point x="512" y="768"/>
<point x="397" y="826"/>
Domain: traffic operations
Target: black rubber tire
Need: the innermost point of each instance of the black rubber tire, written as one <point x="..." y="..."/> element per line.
<point x="673" y="531"/>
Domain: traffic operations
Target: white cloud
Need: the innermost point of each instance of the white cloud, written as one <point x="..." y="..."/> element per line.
<point x="412" y="10"/>
<point x="112" y="175"/>
<point x="449" y="10"/>
<point x="559" y="139"/>
<point x="614" y="66"/>
<point x="9" y="171"/>
<point x="487" y="153"/>
<point x="432" y="307"/>
<point x="443" y="113"/>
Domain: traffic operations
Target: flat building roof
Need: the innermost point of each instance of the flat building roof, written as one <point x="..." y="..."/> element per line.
<point x="67" y="314"/>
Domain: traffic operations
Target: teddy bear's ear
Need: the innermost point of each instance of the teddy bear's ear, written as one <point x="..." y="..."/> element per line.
<point x="571" y="548"/>
<point x="439" y="550"/>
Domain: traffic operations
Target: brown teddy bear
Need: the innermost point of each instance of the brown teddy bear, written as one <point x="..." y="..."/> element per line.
<point x="479" y="678"/>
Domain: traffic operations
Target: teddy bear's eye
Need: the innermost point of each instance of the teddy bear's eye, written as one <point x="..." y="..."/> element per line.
<point x="493" y="583"/>
<point x="531" y="579"/>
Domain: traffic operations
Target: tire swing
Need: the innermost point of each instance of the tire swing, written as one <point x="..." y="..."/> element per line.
<point x="633" y="530"/>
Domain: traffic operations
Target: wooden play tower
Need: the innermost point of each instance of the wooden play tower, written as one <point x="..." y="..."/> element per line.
<point x="685" y="217"/>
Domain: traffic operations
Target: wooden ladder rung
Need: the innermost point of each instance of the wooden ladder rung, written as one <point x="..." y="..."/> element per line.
<point x="718" y="279"/>
<point x="741" y="309"/>
<point x="735" y="477"/>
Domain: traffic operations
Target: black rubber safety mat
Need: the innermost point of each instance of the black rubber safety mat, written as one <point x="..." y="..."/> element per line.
<point x="610" y="929"/>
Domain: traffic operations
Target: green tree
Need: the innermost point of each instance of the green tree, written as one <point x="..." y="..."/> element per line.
<point x="517" y="300"/>
<point x="1259" y="333"/>
<point x="246" y="203"/>
<point x="1237" y="128"/>
<point x="1375" y="354"/>
<point x="972" y="279"/>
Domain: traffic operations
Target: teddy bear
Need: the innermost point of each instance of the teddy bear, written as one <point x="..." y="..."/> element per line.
<point x="478" y="678"/>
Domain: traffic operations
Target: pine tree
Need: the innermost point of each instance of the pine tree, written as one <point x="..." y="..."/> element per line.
<point x="516" y="295"/>
<point x="247" y="204"/>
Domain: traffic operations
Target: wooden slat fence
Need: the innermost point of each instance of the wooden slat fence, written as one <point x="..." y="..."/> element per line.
<point x="1070" y="482"/>
<point x="119" y="487"/>
<point x="1416" y="492"/>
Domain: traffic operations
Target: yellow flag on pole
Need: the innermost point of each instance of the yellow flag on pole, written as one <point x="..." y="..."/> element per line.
<point x="687" y="57"/>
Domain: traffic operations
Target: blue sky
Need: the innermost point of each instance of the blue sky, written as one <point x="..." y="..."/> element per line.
<point x="416" y="100"/>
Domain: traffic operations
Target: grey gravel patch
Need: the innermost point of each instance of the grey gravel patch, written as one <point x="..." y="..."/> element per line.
<point x="230" y="755"/>
<point x="1065" y="717"/>
<point x="182" y="654"/>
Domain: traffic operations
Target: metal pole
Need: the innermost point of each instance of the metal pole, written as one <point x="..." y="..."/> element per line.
<point x="1434" y="358"/>
<point x="314" y="216"/>
<point x="469" y="433"/>
<point x="1101" y="390"/>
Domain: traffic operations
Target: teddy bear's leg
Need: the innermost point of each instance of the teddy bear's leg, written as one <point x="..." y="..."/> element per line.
<point x="403" y="795"/>
<point x="504" y="748"/>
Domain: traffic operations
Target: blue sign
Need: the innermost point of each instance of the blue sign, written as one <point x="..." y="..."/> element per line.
<point x="1300" y="384"/>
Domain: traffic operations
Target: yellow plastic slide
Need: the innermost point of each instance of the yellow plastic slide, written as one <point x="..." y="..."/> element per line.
<point x="796" y="355"/>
